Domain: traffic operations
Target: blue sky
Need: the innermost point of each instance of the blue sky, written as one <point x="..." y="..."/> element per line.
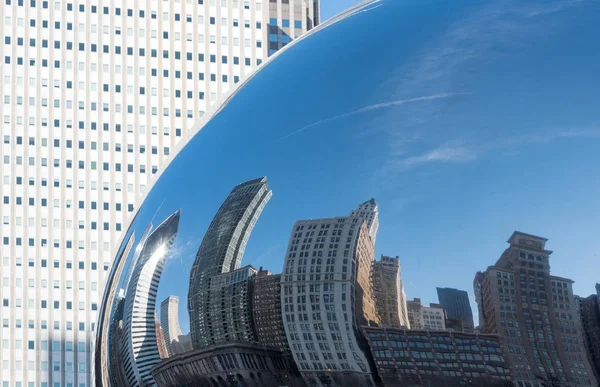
<point x="466" y="122"/>
<point x="334" y="7"/>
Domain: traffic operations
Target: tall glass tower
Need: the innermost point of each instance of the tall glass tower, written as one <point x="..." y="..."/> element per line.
<point x="456" y="304"/>
<point x="217" y="263"/>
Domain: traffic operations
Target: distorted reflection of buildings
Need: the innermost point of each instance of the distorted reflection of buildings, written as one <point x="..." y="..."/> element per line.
<point x="116" y="333"/>
<point x="215" y="318"/>
<point x="457" y="306"/>
<point x="327" y="295"/>
<point x="437" y="358"/>
<point x="169" y="320"/>
<point x="138" y="345"/>
<point x="266" y="310"/>
<point x="589" y="310"/>
<point x="160" y="338"/>
<point x="390" y="297"/>
<point x="516" y="299"/>
<point x="431" y="317"/>
<point x="369" y="212"/>
<point x="457" y="325"/>
<point x="110" y="317"/>
<point x="225" y="365"/>
<point x="226" y="346"/>
<point x="175" y="340"/>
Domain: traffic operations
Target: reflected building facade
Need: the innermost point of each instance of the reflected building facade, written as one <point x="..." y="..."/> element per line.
<point x="326" y="297"/>
<point x="390" y="297"/>
<point x="160" y="338"/>
<point x="535" y="312"/>
<point x="215" y="317"/>
<point x="232" y="364"/>
<point x="437" y="358"/>
<point x="432" y="317"/>
<point x="139" y="346"/>
<point x="369" y="211"/>
<point x="266" y="310"/>
<point x="169" y="320"/>
<point x="589" y="310"/>
<point x="456" y="304"/>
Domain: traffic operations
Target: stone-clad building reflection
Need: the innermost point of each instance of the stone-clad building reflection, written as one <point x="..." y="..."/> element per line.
<point x="218" y="302"/>
<point x="138" y="346"/>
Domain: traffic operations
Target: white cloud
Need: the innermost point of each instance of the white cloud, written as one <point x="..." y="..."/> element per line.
<point x="460" y="153"/>
<point x="442" y="154"/>
<point x="369" y="108"/>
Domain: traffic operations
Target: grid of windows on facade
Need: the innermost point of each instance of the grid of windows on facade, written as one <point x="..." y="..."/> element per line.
<point x="428" y="354"/>
<point x="318" y="295"/>
<point x="94" y="98"/>
<point x="519" y="300"/>
<point x="289" y="20"/>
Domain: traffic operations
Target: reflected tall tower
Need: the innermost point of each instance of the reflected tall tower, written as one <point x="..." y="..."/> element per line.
<point x="169" y="320"/>
<point x="456" y="304"/>
<point x="389" y="292"/>
<point x="221" y="253"/>
<point x="327" y="296"/>
<point x="518" y="297"/>
<point x="138" y="347"/>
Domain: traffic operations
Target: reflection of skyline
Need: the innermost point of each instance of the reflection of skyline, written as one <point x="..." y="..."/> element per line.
<point x="138" y="347"/>
<point x="221" y="252"/>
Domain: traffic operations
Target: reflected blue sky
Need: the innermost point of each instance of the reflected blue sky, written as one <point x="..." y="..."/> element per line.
<point x="466" y="121"/>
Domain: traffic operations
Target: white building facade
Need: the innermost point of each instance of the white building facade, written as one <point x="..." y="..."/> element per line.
<point x="369" y="211"/>
<point x="319" y="289"/>
<point x="95" y="95"/>
<point x="434" y="318"/>
<point x="431" y="317"/>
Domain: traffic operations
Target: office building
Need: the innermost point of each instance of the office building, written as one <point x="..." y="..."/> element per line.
<point x="369" y="211"/>
<point x="456" y="304"/>
<point x="589" y="308"/>
<point x="432" y="317"/>
<point x="535" y="313"/>
<point x="390" y="299"/>
<point x="138" y="346"/>
<point x="326" y="297"/>
<point x="266" y="310"/>
<point x="169" y="320"/>
<point x="220" y="254"/>
<point x="95" y="96"/>
<point x="437" y="358"/>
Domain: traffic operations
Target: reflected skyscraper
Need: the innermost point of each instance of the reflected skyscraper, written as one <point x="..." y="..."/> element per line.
<point x="216" y="268"/>
<point x="518" y="298"/>
<point x="369" y="211"/>
<point x="139" y="348"/>
<point x="169" y="320"/>
<point x="456" y="304"/>
<point x="326" y="297"/>
<point x="389" y="292"/>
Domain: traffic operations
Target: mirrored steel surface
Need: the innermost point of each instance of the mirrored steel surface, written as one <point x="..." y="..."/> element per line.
<point x="315" y="134"/>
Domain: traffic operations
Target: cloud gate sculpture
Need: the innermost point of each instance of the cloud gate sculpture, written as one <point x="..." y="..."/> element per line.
<point x="250" y="261"/>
